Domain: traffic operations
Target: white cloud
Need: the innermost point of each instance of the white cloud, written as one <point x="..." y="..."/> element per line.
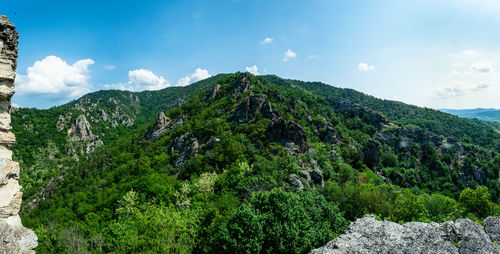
<point x="140" y="80"/>
<point x="483" y="67"/>
<point x="267" y="40"/>
<point x="199" y="74"/>
<point x="110" y="67"/>
<point x="456" y="90"/>
<point x="467" y="53"/>
<point x="289" y="54"/>
<point x="313" y="56"/>
<point x="449" y="91"/>
<point x="54" y="76"/>
<point x="459" y="64"/>
<point x="365" y="67"/>
<point x="253" y="69"/>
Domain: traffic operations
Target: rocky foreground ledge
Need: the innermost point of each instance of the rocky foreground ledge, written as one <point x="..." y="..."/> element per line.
<point x="14" y="238"/>
<point x="367" y="235"/>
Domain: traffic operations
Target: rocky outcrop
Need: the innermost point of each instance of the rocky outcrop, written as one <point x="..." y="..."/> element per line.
<point x="14" y="238"/>
<point x="279" y="131"/>
<point x="367" y="235"/>
<point x="213" y="93"/>
<point x="80" y="130"/>
<point x="250" y="107"/>
<point x="186" y="145"/>
<point x="355" y="110"/>
<point x="103" y="114"/>
<point x="159" y="128"/>
<point x="242" y="85"/>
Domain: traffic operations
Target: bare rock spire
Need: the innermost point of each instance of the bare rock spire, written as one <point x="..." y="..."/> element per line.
<point x="14" y="237"/>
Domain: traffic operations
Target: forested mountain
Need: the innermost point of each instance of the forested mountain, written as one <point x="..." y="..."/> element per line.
<point x="242" y="163"/>
<point x="486" y="114"/>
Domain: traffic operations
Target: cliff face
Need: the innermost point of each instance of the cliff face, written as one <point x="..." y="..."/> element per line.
<point x="14" y="238"/>
<point x="367" y="235"/>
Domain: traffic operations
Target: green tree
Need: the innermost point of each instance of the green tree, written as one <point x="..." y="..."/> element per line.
<point x="409" y="207"/>
<point x="476" y="201"/>
<point x="281" y="222"/>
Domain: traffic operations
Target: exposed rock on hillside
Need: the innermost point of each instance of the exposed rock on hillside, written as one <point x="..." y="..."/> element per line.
<point x="242" y="85"/>
<point x="214" y="92"/>
<point x="103" y="115"/>
<point x="80" y="130"/>
<point x="187" y="145"/>
<point x="159" y="128"/>
<point x="403" y="138"/>
<point x="14" y="238"/>
<point x="353" y="109"/>
<point x="279" y="131"/>
<point x="367" y="235"/>
<point x="248" y="109"/>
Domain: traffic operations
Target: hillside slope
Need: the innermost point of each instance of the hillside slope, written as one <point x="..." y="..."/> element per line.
<point x="430" y="120"/>
<point x="245" y="164"/>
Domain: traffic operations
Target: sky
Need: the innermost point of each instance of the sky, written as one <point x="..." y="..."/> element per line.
<point x="437" y="54"/>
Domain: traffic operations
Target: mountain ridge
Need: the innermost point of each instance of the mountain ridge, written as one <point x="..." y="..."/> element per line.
<point x="242" y="141"/>
<point x="486" y="114"/>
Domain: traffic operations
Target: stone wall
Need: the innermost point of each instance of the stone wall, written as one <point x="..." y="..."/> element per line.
<point x="14" y="238"/>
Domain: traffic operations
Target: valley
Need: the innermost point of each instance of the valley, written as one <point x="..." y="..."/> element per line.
<point x="200" y="166"/>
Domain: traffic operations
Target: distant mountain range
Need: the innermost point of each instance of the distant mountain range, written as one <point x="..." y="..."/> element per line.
<point x="487" y="114"/>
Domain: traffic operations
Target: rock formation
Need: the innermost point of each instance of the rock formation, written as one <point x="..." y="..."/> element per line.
<point x="14" y="238"/>
<point x="248" y="109"/>
<point x="242" y="85"/>
<point x="80" y="130"/>
<point x="292" y="132"/>
<point x="367" y="235"/>
<point x="159" y="128"/>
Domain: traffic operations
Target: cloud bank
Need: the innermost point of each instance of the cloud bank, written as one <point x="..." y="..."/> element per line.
<point x="54" y="76"/>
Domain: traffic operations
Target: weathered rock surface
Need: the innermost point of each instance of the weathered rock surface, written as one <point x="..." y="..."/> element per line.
<point x="80" y="130"/>
<point x="187" y="145"/>
<point x="492" y="228"/>
<point x="250" y="107"/>
<point x="242" y="85"/>
<point x="103" y="114"/>
<point x="213" y="93"/>
<point x="279" y="131"/>
<point x="367" y="235"/>
<point x="14" y="238"/>
<point x="159" y="128"/>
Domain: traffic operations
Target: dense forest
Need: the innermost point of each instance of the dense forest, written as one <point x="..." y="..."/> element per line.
<point x="244" y="164"/>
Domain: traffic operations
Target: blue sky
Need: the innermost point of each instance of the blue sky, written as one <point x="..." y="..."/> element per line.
<point x="439" y="54"/>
